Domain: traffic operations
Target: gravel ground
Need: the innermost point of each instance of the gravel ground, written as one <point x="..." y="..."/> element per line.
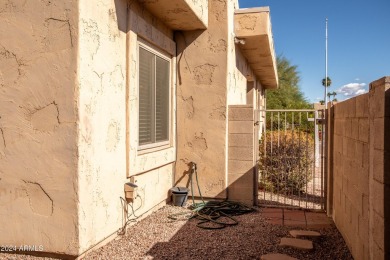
<point x="158" y="237"/>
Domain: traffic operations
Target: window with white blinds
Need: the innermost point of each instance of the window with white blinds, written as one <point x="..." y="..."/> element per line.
<point x="154" y="75"/>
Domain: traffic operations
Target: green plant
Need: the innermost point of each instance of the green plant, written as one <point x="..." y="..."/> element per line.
<point x="289" y="94"/>
<point x="290" y="121"/>
<point x="286" y="161"/>
<point x="326" y="81"/>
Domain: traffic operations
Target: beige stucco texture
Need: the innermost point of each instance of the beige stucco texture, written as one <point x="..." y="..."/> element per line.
<point x="38" y="117"/>
<point x="253" y="26"/>
<point x="180" y="14"/>
<point x="69" y="115"/>
<point x="69" y="112"/>
<point x="207" y="85"/>
<point x="201" y="102"/>
<point x="102" y="119"/>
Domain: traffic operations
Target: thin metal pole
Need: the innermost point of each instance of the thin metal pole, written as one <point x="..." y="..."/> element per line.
<point x="326" y="63"/>
<point x="272" y="143"/>
<point x="265" y="171"/>
<point x="285" y="141"/>
<point x="299" y="159"/>
<point x="293" y="133"/>
<point x="278" y="180"/>
<point x="307" y="155"/>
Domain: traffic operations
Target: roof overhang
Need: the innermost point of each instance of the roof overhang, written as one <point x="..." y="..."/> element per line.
<point x="179" y="14"/>
<point x="253" y="26"/>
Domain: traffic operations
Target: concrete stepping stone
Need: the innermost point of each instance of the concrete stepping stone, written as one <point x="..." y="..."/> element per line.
<point x="297" y="243"/>
<point x="304" y="233"/>
<point x="277" y="257"/>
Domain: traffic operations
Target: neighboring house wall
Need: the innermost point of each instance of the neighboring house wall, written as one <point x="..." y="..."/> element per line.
<point x="358" y="170"/>
<point x="38" y="125"/>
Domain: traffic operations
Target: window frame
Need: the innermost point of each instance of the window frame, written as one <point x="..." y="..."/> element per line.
<point x="163" y="55"/>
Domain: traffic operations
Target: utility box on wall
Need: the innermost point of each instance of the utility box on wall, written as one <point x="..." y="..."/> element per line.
<point x="130" y="191"/>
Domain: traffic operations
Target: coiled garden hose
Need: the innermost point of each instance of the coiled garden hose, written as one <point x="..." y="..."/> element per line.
<point x="212" y="214"/>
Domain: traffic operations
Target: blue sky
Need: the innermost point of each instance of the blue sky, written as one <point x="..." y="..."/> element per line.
<point x="358" y="42"/>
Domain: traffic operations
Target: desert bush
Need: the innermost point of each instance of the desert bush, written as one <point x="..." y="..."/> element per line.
<point x="286" y="161"/>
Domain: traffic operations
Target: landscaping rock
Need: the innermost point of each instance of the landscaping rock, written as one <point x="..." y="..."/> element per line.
<point x="301" y="244"/>
<point x="304" y="233"/>
<point x="277" y="257"/>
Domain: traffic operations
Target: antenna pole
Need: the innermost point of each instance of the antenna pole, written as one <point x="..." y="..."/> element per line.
<point x="326" y="63"/>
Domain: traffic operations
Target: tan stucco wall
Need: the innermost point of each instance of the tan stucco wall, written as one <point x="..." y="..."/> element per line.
<point x="143" y="26"/>
<point x="150" y="169"/>
<point x="180" y="14"/>
<point x="102" y="113"/>
<point x="38" y="133"/>
<point x="69" y="116"/>
<point x="207" y="84"/>
<point x="200" y="8"/>
<point x="239" y="70"/>
<point x="201" y="102"/>
<point x="253" y="26"/>
<point x="109" y="111"/>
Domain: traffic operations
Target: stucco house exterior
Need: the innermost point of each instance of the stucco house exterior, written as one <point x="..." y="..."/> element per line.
<point x="96" y="94"/>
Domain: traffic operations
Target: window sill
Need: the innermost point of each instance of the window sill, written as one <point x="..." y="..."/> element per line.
<point x="153" y="148"/>
<point x="151" y="159"/>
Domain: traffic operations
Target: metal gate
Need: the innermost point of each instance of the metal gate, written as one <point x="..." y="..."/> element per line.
<point x="291" y="158"/>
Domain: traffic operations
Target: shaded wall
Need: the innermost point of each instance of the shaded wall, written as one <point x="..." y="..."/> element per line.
<point x="358" y="168"/>
<point x="38" y="125"/>
<point x="242" y="175"/>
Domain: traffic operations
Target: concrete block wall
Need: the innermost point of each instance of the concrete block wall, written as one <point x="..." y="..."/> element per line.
<point x="358" y="166"/>
<point x="350" y="172"/>
<point x="379" y="177"/>
<point x="241" y="158"/>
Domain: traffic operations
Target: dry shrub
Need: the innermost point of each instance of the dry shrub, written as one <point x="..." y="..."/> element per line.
<point x="286" y="161"/>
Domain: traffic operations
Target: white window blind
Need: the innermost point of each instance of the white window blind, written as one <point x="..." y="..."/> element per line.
<point x="154" y="73"/>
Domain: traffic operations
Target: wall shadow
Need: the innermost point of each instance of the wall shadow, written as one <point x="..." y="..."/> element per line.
<point x="183" y="39"/>
<point x="121" y="10"/>
<point x="249" y="239"/>
<point x="214" y="244"/>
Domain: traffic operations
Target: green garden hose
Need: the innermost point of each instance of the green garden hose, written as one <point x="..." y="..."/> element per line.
<point x="213" y="214"/>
